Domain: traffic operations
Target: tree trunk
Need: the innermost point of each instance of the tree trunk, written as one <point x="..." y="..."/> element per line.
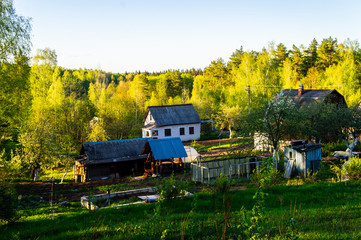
<point x="352" y="145"/>
<point x="36" y="174"/>
<point x="62" y="179"/>
<point x="275" y="157"/>
<point x="230" y="132"/>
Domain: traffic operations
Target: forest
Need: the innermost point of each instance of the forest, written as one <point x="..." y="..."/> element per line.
<point x="47" y="111"/>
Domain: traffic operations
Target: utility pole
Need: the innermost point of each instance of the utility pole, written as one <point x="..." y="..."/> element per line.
<point x="248" y="89"/>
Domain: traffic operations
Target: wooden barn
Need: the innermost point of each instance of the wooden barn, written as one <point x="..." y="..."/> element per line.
<point x="110" y="159"/>
<point x="301" y="157"/>
<point x="163" y="155"/>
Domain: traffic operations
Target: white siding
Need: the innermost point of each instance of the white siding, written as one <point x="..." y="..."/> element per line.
<point x="175" y="132"/>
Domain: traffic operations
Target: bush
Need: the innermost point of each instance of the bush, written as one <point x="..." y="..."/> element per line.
<point x="329" y="148"/>
<point x="352" y="168"/>
<point x="222" y="184"/>
<point x="170" y="188"/>
<point x="8" y="203"/>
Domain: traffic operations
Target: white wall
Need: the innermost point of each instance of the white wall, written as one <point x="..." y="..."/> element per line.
<point x="175" y="132"/>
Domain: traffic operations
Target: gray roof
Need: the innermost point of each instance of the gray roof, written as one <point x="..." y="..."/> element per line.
<point x="307" y="147"/>
<point x="173" y="114"/>
<point x="113" y="151"/>
<point x="310" y="96"/>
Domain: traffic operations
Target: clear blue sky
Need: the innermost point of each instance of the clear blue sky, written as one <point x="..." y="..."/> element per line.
<point x="131" y="35"/>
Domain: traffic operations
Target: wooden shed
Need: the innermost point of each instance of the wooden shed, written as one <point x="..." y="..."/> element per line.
<point x="302" y="156"/>
<point x="163" y="155"/>
<point x="110" y="159"/>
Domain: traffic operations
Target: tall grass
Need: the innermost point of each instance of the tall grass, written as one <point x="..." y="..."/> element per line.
<point x="312" y="211"/>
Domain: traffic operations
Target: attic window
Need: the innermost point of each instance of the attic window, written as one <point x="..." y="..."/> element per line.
<point x="290" y="155"/>
<point x="150" y="117"/>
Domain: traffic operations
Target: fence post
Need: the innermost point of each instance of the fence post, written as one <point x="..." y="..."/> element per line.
<point x="239" y="172"/>
<point x="230" y="172"/>
<point x="247" y="167"/>
<point x="202" y="170"/>
<point x="209" y="177"/>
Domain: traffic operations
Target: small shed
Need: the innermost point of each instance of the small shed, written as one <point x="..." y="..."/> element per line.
<point x="163" y="155"/>
<point x="110" y="159"/>
<point x="302" y="156"/>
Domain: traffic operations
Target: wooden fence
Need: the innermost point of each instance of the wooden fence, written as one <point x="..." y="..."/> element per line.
<point x="237" y="168"/>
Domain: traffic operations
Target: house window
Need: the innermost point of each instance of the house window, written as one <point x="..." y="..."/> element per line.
<point x="150" y="117"/>
<point x="181" y="131"/>
<point x="155" y="132"/>
<point x="191" y="130"/>
<point x="167" y="132"/>
<point x="147" y="133"/>
<point x="290" y="155"/>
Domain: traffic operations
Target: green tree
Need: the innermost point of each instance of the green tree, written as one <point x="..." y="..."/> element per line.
<point x="97" y="132"/>
<point x="228" y="117"/>
<point x="14" y="74"/>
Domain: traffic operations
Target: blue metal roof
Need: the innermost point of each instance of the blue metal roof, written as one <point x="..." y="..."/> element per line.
<point x="167" y="148"/>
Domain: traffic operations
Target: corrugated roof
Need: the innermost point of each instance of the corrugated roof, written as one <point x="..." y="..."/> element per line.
<point x="173" y="114"/>
<point x="166" y="148"/>
<point x="114" y="151"/>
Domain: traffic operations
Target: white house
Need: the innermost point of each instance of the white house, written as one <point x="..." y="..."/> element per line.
<point x="172" y="121"/>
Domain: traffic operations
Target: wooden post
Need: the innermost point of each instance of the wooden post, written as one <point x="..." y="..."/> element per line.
<point x="247" y="167"/>
<point x="239" y="171"/>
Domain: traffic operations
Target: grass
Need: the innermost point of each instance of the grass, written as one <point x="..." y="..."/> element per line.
<point x="203" y="148"/>
<point x="309" y="211"/>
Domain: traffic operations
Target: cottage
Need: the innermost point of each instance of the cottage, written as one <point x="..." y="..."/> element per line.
<point x="302" y="157"/>
<point x="163" y="155"/>
<point x="110" y="159"/>
<point x="306" y="97"/>
<point x="172" y="121"/>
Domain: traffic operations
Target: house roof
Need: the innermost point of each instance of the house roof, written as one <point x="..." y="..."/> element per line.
<point x="173" y="114"/>
<point x="165" y="148"/>
<point x="113" y="151"/>
<point x="310" y="96"/>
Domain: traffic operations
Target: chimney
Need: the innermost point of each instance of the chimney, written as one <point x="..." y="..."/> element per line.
<point x="300" y="90"/>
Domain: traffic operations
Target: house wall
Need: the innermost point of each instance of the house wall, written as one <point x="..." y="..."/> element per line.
<point x="148" y="119"/>
<point x="175" y="132"/>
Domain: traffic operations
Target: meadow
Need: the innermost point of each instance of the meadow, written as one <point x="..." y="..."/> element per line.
<point x="319" y="210"/>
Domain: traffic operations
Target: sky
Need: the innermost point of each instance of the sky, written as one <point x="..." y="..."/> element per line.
<point x="156" y="35"/>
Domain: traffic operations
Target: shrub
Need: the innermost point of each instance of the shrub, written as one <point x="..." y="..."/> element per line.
<point x="222" y="184"/>
<point x="329" y="148"/>
<point x="352" y="168"/>
<point x="170" y="188"/>
<point x="8" y="203"/>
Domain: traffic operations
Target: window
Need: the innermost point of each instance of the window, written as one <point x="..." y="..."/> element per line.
<point x="181" y="131"/>
<point x="290" y="155"/>
<point x="150" y="117"/>
<point x="191" y="130"/>
<point x="167" y="132"/>
<point x="155" y="132"/>
<point x="147" y="133"/>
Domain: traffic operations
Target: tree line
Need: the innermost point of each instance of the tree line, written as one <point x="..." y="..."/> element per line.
<point x="47" y="111"/>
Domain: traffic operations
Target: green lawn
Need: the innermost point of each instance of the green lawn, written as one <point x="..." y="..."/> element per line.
<point x="310" y="211"/>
